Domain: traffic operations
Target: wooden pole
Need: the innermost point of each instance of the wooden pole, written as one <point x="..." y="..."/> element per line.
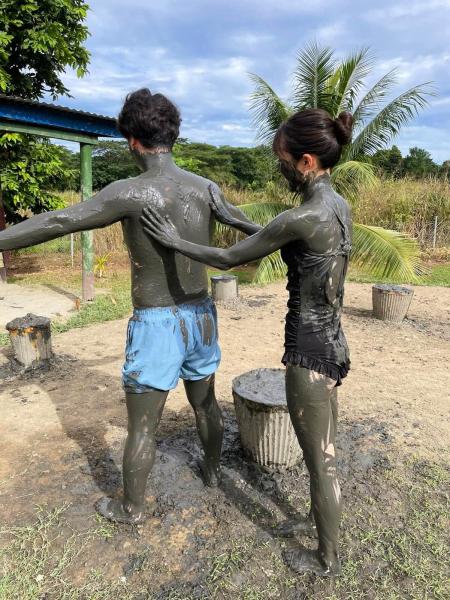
<point x="4" y="256"/>
<point x="87" y="241"/>
<point x="435" y="231"/>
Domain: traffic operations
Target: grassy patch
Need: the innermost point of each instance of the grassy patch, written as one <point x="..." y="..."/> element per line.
<point x="404" y="553"/>
<point x="58" y="245"/>
<point x="36" y="561"/>
<point x="114" y="304"/>
<point x="439" y="274"/>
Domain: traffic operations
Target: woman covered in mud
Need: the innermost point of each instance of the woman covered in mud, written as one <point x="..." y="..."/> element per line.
<point x="315" y="243"/>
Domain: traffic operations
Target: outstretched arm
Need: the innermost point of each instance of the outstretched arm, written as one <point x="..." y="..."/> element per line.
<point x="101" y="210"/>
<point x="285" y="228"/>
<point x="228" y="214"/>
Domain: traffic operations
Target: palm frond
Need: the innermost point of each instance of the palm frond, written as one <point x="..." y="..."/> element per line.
<point x="268" y="109"/>
<point x="348" y="80"/>
<point x="264" y="212"/>
<point x="388" y="122"/>
<point x="315" y="67"/>
<point x="380" y="253"/>
<point x="271" y="268"/>
<point x="373" y="98"/>
<point x="383" y="253"/>
<point x="350" y="177"/>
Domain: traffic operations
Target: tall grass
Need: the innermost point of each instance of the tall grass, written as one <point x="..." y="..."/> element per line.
<point x="409" y="206"/>
<point x="108" y="239"/>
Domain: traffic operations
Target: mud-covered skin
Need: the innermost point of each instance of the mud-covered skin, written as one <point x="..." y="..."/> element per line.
<point x="315" y="243"/>
<point x="311" y="224"/>
<point x="160" y="277"/>
<point x="312" y="403"/>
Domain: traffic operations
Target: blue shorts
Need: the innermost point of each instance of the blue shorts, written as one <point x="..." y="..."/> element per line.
<point x="164" y="344"/>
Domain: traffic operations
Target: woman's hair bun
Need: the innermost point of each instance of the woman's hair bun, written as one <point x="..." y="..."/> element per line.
<point x="343" y="127"/>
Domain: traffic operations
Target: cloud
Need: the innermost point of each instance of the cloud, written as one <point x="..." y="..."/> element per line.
<point x="249" y="40"/>
<point x="420" y="67"/>
<point x="402" y="10"/>
<point x="328" y="34"/>
<point x="199" y="53"/>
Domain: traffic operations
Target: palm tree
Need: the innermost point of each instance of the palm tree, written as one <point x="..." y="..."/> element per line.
<point x="321" y="81"/>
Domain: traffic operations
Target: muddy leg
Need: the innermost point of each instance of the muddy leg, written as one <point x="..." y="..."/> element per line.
<point x="144" y="415"/>
<point x="202" y="398"/>
<point x="312" y="404"/>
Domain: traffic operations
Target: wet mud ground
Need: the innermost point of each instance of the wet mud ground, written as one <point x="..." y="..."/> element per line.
<point x="61" y="449"/>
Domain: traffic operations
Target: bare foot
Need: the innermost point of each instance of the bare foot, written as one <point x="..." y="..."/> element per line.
<point x="113" y="510"/>
<point x="211" y="475"/>
<point x="302" y="560"/>
<point x="295" y="526"/>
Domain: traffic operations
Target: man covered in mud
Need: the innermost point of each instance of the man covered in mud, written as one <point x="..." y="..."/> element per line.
<point x="173" y="330"/>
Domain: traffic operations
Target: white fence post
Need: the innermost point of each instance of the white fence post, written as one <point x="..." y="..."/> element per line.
<point x="435" y="231"/>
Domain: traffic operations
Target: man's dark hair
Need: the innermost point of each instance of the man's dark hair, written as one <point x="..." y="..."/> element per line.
<point x="152" y="119"/>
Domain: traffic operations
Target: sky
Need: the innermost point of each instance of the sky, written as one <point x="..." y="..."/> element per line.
<point x="200" y="53"/>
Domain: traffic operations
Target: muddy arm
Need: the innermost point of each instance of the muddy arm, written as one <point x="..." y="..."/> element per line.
<point x="285" y="228"/>
<point x="228" y="214"/>
<point x="101" y="210"/>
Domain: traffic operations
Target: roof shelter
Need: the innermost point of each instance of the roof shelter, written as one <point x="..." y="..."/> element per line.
<point x="58" y="122"/>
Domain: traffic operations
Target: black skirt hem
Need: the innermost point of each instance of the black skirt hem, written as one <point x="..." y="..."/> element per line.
<point x="336" y="372"/>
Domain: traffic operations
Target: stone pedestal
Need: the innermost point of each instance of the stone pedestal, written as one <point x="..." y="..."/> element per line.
<point x="224" y="288"/>
<point x="265" y="427"/>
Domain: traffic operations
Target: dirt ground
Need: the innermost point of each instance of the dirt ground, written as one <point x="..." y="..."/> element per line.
<point x="46" y="301"/>
<point x="63" y="434"/>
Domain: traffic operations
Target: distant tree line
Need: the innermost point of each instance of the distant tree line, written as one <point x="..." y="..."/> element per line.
<point x="417" y="163"/>
<point x="249" y="168"/>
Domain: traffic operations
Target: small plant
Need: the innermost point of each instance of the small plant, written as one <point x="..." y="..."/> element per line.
<point x="100" y="264"/>
<point x="105" y="529"/>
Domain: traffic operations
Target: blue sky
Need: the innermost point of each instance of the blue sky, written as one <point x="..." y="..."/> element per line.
<point x="199" y="53"/>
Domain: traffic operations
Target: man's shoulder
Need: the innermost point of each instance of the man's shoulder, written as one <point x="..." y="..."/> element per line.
<point x="131" y="187"/>
<point x="121" y="185"/>
<point x="202" y="183"/>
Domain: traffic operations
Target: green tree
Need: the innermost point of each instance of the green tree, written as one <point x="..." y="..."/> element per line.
<point x="38" y="41"/>
<point x="111" y="161"/>
<point x="252" y="167"/>
<point x="241" y="167"/>
<point x="322" y="81"/>
<point x="35" y="166"/>
<point x="418" y="163"/>
<point x="389" y="162"/>
<point x="210" y="162"/>
<point x="444" y="169"/>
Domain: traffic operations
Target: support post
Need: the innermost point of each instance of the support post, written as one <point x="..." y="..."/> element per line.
<point x="435" y="231"/>
<point x="4" y="256"/>
<point x="87" y="242"/>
